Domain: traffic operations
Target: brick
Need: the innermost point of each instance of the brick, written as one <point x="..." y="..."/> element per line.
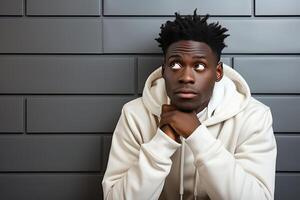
<point x="74" y="114"/>
<point x="50" y="186"/>
<point x="34" y="153"/>
<point x="270" y="74"/>
<point x="285" y="110"/>
<point x="168" y="7"/>
<point x="63" y="7"/>
<point x="41" y="35"/>
<point x="277" y="7"/>
<point x="246" y="36"/>
<point x="66" y="74"/>
<point x="11" y="114"/>
<point x="11" y="7"/>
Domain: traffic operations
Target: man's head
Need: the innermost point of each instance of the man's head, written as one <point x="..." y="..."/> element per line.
<point x="192" y="50"/>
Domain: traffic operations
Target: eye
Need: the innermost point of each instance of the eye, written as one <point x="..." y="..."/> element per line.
<point x="175" y="66"/>
<point x="200" y="67"/>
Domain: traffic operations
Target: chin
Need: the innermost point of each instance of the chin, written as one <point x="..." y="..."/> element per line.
<point x="185" y="107"/>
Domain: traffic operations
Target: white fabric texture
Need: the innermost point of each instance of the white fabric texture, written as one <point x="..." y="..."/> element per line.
<point x="230" y="156"/>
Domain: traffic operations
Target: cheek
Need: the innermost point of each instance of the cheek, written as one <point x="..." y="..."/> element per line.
<point x="205" y="87"/>
<point x="169" y="81"/>
<point x="168" y="86"/>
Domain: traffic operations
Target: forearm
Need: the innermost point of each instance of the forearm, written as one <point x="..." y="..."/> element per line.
<point x="226" y="176"/>
<point x="145" y="178"/>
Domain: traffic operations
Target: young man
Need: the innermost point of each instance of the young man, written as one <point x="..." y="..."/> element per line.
<point x="196" y="133"/>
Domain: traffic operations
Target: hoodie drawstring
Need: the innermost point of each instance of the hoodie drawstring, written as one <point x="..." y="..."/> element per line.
<point x="195" y="184"/>
<point x="181" y="189"/>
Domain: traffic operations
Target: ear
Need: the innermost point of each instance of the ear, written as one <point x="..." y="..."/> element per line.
<point x="219" y="71"/>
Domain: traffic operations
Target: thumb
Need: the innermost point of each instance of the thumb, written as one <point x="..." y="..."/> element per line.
<point x="167" y="108"/>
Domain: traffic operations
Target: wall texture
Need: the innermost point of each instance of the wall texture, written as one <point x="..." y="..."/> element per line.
<point x="68" y="66"/>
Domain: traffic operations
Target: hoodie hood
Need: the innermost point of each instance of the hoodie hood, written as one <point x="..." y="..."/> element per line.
<point x="233" y="95"/>
<point x="236" y="95"/>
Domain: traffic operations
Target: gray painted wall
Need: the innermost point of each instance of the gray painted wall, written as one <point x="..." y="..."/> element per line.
<point x="67" y="67"/>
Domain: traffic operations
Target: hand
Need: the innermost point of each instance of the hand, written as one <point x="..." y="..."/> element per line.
<point x="168" y="130"/>
<point x="183" y="123"/>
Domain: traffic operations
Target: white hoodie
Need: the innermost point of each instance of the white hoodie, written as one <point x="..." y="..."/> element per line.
<point x="230" y="156"/>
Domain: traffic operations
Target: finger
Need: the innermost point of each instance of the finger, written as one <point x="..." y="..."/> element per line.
<point x="167" y="108"/>
<point x="167" y="118"/>
<point x="171" y="118"/>
<point x="170" y="125"/>
<point x="163" y="122"/>
<point x="170" y="130"/>
<point x="168" y="115"/>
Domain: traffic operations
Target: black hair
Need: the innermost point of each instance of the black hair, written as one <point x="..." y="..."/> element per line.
<point x="193" y="28"/>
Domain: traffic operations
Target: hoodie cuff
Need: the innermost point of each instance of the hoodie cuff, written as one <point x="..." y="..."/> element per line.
<point x="162" y="145"/>
<point x="200" y="141"/>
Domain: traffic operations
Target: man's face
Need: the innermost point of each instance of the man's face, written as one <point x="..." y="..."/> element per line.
<point x="190" y="71"/>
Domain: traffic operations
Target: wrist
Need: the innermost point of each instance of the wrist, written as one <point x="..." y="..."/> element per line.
<point x="169" y="131"/>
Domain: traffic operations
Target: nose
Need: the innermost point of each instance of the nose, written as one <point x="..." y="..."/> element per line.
<point x="187" y="76"/>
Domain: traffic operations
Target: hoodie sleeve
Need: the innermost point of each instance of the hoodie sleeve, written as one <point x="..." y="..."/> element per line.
<point x="134" y="170"/>
<point x="249" y="173"/>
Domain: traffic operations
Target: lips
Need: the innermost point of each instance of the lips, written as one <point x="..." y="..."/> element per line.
<point x="186" y="93"/>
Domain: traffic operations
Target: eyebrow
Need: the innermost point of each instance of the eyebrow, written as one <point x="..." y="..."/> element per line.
<point x="178" y="56"/>
<point x="199" y="57"/>
<point x="175" y="56"/>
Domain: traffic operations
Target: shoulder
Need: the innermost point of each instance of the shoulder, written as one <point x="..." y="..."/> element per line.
<point x="135" y="107"/>
<point x="256" y="119"/>
<point x="140" y="120"/>
<point x="255" y="108"/>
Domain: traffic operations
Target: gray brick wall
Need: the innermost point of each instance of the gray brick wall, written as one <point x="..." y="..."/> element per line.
<point x="67" y="67"/>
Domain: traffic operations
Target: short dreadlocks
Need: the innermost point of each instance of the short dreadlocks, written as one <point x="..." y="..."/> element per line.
<point x="193" y="28"/>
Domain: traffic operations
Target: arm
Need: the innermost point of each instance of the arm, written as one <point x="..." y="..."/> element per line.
<point x="134" y="170"/>
<point x="249" y="173"/>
